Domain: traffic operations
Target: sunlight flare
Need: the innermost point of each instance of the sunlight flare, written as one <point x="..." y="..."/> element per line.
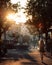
<point x="17" y="17"/>
<point x="10" y="16"/>
<point x="20" y="16"/>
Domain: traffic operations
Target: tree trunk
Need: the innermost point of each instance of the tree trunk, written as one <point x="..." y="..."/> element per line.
<point x="0" y="36"/>
<point x="4" y="35"/>
<point x="46" y="38"/>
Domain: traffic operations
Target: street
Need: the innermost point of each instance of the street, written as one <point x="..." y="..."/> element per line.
<point x="26" y="32"/>
<point x="13" y="57"/>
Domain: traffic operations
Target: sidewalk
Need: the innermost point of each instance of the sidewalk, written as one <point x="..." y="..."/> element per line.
<point x="31" y="58"/>
<point x="47" y="60"/>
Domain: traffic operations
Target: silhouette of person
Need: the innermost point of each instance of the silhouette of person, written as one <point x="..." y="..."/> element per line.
<point x="50" y="45"/>
<point x="41" y="49"/>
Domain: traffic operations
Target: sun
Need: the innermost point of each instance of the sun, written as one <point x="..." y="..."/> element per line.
<point x="20" y="16"/>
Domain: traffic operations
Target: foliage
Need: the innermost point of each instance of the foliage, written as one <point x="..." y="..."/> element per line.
<point x="41" y="10"/>
<point x="5" y="7"/>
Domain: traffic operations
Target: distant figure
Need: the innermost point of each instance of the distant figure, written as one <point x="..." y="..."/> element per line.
<point x="50" y="47"/>
<point x="41" y="49"/>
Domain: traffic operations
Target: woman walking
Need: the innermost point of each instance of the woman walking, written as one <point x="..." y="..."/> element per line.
<point x="41" y="47"/>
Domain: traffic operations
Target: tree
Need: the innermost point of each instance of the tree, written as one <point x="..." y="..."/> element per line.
<point x="5" y="7"/>
<point x="2" y="7"/>
<point x="41" y="11"/>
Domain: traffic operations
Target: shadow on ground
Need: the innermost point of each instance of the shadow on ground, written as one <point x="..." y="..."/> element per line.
<point x="15" y="57"/>
<point x="48" y="56"/>
<point x="29" y="63"/>
<point x="44" y="63"/>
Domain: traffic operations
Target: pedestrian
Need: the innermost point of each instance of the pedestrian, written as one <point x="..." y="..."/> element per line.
<point x="50" y="47"/>
<point x="41" y="49"/>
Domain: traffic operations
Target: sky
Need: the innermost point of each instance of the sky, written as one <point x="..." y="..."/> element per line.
<point x="22" y="2"/>
<point x="19" y="16"/>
